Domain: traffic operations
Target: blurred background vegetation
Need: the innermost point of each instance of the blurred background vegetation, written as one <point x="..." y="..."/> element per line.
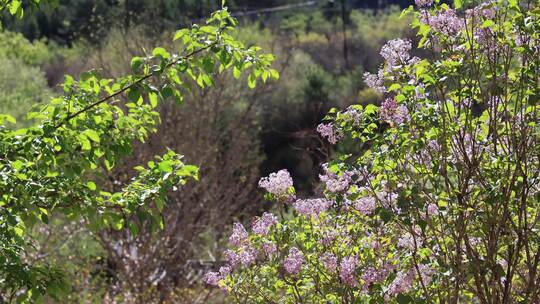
<point x="234" y="134"/>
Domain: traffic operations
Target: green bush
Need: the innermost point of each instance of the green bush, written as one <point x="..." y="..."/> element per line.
<point x="22" y="86"/>
<point x="15" y="45"/>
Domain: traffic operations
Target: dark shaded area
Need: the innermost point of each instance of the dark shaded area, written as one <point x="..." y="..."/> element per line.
<point x="69" y="20"/>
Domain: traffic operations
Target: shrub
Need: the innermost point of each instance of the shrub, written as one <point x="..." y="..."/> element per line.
<point x="15" y="45"/>
<point x="22" y="87"/>
<point x="442" y="206"/>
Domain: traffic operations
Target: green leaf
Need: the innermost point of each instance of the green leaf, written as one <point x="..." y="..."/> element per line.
<point x="17" y="165"/>
<point x="161" y="52"/>
<point x="92" y="135"/>
<point x="134" y="94"/>
<point x="14" y="6"/>
<point x="136" y="63"/>
<point x="252" y="81"/>
<point x="237" y="72"/>
<point x="167" y="92"/>
<point x="85" y="143"/>
<point x="394" y="87"/>
<point x="7" y="118"/>
<point x="180" y="33"/>
<point x="208" y="65"/>
<point x="488" y="23"/>
<point x="274" y="74"/>
<point x="153" y="99"/>
<point x="91" y="185"/>
<point x="165" y="166"/>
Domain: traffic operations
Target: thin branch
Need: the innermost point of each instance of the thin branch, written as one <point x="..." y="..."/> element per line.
<point x="124" y="89"/>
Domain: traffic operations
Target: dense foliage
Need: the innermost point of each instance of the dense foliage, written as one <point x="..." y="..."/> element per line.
<point x="50" y="167"/>
<point x="214" y="127"/>
<point x="438" y="200"/>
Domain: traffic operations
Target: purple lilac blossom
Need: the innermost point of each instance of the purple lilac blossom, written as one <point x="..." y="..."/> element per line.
<point x="335" y="183"/>
<point x="375" y="81"/>
<point x="347" y="271"/>
<point x="485" y="10"/>
<point x="365" y="205"/>
<point x="277" y="183"/>
<point x="408" y="240"/>
<point x="312" y="207"/>
<point x="423" y="3"/>
<point x="224" y="271"/>
<point x="432" y="209"/>
<point x="261" y="225"/>
<point x="353" y="115"/>
<point x="232" y="258"/>
<point x="375" y="245"/>
<point x="396" y="51"/>
<point x="376" y="275"/>
<point x="388" y="200"/>
<point x="212" y="278"/>
<point x="426" y="273"/>
<point x="247" y="256"/>
<point x="293" y="262"/>
<point x="393" y="113"/>
<point x="445" y="22"/>
<point x="327" y="131"/>
<point x="328" y="237"/>
<point x="239" y="235"/>
<point x="402" y="283"/>
<point x="269" y="248"/>
<point x="329" y="261"/>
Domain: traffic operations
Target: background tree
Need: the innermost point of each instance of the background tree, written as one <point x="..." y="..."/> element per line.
<point x="54" y="165"/>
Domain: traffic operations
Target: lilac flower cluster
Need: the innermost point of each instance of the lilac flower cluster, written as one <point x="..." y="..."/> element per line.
<point x="328" y="237"/>
<point x="396" y="52"/>
<point x="365" y="205"/>
<point x="329" y="261"/>
<point x="278" y="183"/>
<point x="388" y="199"/>
<point x="334" y="182"/>
<point x="375" y="81"/>
<point x="353" y="115"/>
<point x="269" y="248"/>
<point x="293" y="262"/>
<point x="312" y="207"/>
<point x="485" y="10"/>
<point x="402" y="283"/>
<point x="445" y="22"/>
<point x="213" y="278"/>
<point x="406" y="241"/>
<point x="261" y="225"/>
<point x="423" y="3"/>
<point x="426" y="273"/>
<point x="432" y="209"/>
<point x="247" y="255"/>
<point x="373" y="275"/>
<point x="232" y="258"/>
<point x="327" y="131"/>
<point x="410" y="241"/>
<point x="393" y="113"/>
<point x="239" y="235"/>
<point x="347" y="271"/>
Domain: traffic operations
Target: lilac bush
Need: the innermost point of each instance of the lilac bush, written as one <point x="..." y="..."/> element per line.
<point x="443" y="204"/>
